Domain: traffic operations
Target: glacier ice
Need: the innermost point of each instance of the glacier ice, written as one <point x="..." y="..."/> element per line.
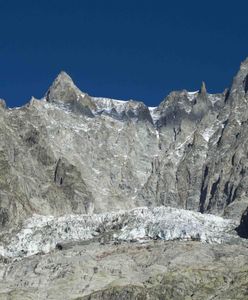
<point x="41" y="234"/>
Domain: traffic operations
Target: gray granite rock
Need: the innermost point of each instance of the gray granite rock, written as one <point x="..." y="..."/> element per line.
<point x="154" y="270"/>
<point x="2" y="104"/>
<point x="71" y="153"/>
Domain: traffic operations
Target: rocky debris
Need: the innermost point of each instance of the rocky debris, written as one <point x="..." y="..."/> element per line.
<point x="153" y="270"/>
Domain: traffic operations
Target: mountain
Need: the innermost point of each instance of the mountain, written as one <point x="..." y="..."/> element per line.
<point x="75" y="167"/>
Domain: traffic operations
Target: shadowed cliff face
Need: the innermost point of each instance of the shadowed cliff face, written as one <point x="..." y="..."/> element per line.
<point x="73" y="153"/>
<point x="242" y="229"/>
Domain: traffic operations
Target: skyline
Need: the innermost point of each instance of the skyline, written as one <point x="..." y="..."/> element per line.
<point x="127" y="50"/>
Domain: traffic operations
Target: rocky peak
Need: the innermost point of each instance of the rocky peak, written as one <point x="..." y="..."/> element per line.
<point x="177" y="104"/>
<point x="203" y="89"/>
<point x="63" y="76"/>
<point x="2" y="104"/>
<point x="64" y="90"/>
<point x="240" y="81"/>
<point x="236" y="99"/>
<point x="122" y="110"/>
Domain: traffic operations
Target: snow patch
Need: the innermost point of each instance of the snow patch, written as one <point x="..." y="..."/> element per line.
<point x="207" y="133"/>
<point x="107" y="105"/>
<point x="155" y="114"/>
<point x="192" y="95"/>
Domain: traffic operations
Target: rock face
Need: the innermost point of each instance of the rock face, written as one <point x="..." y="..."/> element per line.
<point x="71" y="154"/>
<point x="155" y="270"/>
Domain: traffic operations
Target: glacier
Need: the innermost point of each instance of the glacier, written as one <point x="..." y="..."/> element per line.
<point x="42" y="234"/>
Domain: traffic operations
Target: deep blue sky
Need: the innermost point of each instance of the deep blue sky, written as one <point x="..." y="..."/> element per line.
<point x="120" y="49"/>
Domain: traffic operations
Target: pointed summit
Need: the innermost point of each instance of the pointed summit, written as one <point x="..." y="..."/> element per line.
<point x="203" y="89"/>
<point x="62" y="89"/>
<point x="63" y="76"/>
<point x="240" y="81"/>
<point x="2" y="104"/>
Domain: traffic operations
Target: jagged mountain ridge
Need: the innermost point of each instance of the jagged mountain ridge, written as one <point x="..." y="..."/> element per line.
<point x="73" y="153"/>
<point x="88" y="186"/>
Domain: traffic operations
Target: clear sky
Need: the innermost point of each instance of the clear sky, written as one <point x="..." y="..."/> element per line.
<point x="128" y="49"/>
